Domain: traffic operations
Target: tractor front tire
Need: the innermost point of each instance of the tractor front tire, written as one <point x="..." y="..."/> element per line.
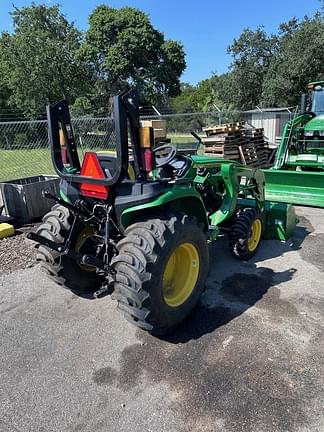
<point x="161" y="270"/>
<point x="246" y="233"/>
<point x="60" y="268"/>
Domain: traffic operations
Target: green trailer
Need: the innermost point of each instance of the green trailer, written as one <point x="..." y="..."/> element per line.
<point x="297" y="176"/>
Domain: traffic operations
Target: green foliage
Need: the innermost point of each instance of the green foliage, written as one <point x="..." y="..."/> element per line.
<point x="124" y="49"/>
<point x="273" y="70"/>
<point x="46" y="59"/>
<point x="186" y="101"/>
<point x="299" y="60"/>
<point x="252" y="53"/>
<point x="82" y="106"/>
<point x="213" y="94"/>
<point x="4" y="99"/>
<point x="267" y="70"/>
<point x="38" y="60"/>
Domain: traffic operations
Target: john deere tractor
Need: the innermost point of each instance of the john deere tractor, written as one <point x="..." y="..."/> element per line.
<point x="137" y="223"/>
<point x="298" y="173"/>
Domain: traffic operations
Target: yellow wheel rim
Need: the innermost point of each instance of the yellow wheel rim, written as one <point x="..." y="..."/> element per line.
<point x="83" y="236"/>
<point x="255" y="235"/>
<point x="180" y="274"/>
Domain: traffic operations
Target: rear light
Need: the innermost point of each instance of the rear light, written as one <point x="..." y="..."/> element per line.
<point x="146" y="134"/>
<point x="91" y="168"/>
<point x="64" y="154"/>
<point x="147" y="157"/>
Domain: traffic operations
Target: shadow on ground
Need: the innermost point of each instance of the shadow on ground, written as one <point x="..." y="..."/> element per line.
<point x="234" y="286"/>
<point x="248" y="375"/>
<point x="269" y="249"/>
<point x="223" y="301"/>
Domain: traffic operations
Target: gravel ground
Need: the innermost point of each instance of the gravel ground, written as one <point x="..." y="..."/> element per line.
<point x="250" y="358"/>
<point x="16" y="253"/>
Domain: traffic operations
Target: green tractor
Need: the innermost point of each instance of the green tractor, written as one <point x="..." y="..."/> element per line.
<point x="297" y="176"/>
<point x="137" y="223"/>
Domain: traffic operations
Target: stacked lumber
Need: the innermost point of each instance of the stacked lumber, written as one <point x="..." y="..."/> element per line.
<point x="227" y="128"/>
<point x="223" y="140"/>
<point x="255" y="139"/>
<point x="239" y="142"/>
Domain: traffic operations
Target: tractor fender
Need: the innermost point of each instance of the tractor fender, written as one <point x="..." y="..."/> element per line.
<point x="180" y="199"/>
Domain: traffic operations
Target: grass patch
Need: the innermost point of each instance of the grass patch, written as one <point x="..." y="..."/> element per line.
<point x="16" y="164"/>
<point x="182" y="139"/>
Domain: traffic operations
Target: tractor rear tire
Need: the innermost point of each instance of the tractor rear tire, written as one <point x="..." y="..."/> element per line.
<point x="60" y="268"/>
<point x="246" y="233"/>
<point x="161" y="270"/>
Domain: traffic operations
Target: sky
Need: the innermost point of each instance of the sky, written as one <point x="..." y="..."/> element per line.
<point x="205" y="28"/>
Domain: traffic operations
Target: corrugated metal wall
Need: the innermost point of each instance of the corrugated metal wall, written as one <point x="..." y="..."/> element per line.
<point x="272" y="123"/>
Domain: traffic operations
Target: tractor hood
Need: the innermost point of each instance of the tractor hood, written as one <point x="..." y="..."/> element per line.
<point x="315" y="124"/>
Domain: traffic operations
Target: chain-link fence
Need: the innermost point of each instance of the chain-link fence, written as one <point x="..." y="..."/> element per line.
<point x="271" y="120"/>
<point x="180" y="126"/>
<point x="24" y="149"/>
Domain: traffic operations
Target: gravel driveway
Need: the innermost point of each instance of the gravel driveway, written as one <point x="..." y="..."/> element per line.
<point x="250" y="358"/>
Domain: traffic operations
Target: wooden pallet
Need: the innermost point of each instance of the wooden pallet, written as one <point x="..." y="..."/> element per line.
<point x="224" y="151"/>
<point x="236" y="142"/>
<point x="249" y="155"/>
<point x="228" y="128"/>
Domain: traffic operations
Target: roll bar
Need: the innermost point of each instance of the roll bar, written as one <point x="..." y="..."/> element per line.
<point x="126" y="116"/>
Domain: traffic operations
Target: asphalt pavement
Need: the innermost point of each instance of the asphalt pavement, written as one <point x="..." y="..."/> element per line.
<point x="250" y="358"/>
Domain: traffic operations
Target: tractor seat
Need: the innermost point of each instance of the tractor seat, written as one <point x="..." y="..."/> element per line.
<point x="107" y="161"/>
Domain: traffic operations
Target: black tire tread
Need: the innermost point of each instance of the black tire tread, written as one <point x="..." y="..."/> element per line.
<point x="56" y="226"/>
<point x="138" y="252"/>
<point x="240" y="232"/>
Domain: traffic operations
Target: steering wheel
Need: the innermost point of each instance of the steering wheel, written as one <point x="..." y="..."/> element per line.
<point x="164" y="154"/>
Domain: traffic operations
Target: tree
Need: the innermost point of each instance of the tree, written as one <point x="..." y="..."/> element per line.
<point x="185" y="102"/>
<point x="38" y="61"/>
<point x="215" y="93"/>
<point x="124" y="49"/>
<point x="300" y="59"/>
<point x="4" y="99"/>
<point x="205" y="96"/>
<point x="252" y="53"/>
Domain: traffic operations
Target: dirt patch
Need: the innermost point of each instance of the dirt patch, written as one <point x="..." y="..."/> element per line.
<point x="16" y="253"/>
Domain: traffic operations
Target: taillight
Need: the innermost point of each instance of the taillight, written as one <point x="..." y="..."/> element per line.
<point x="146" y="144"/>
<point x="147" y="157"/>
<point x="64" y="154"/>
<point x="91" y="168"/>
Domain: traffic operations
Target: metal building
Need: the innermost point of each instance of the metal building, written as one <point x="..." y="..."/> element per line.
<point x="272" y="120"/>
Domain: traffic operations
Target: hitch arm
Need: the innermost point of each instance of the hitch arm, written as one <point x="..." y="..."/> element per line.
<point x="64" y="249"/>
<point x="74" y="209"/>
<point x="47" y="243"/>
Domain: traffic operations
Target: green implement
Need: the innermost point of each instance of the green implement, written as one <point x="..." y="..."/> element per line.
<point x="295" y="187"/>
<point x="297" y="176"/>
